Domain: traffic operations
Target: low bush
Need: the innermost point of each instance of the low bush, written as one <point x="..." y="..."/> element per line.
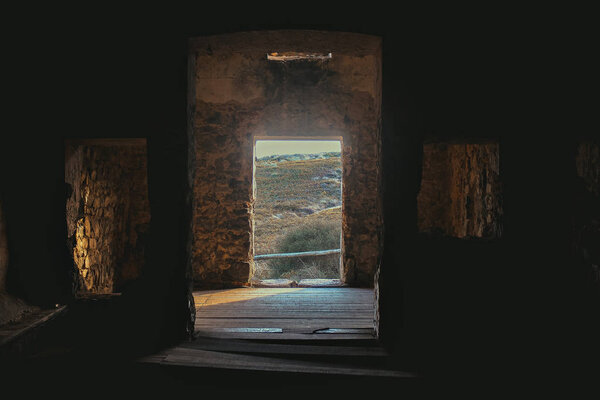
<point x="308" y="237"/>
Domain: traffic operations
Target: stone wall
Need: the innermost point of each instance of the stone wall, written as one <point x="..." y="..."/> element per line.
<point x="3" y="250"/>
<point x="586" y="210"/>
<point x="460" y="193"/>
<point x="108" y="213"/>
<point x="587" y="162"/>
<point x="237" y="95"/>
<point x="11" y="308"/>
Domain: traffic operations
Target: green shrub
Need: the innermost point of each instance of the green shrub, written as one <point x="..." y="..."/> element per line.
<point x="308" y="237"/>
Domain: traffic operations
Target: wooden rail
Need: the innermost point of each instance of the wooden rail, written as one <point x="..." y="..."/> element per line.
<point x="300" y="254"/>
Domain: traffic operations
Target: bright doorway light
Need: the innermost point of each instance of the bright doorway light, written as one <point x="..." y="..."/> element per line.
<point x="297" y="209"/>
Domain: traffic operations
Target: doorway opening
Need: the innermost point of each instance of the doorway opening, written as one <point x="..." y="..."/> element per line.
<point x="297" y="219"/>
<point x="238" y="97"/>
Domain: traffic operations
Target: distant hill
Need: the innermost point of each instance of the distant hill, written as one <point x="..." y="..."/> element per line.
<point x="299" y="157"/>
<point x="289" y="190"/>
<point x="297" y="191"/>
<point x="299" y="183"/>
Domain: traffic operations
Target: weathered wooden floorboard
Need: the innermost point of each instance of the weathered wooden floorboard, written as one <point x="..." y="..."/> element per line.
<point x="247" y="291"/>
<point x="341" y="312"/>
<point x="295" y="336"/>
<point x="212" y="359"/>
<point x="236" y="330"/>
<point x="253" y="305"/>
<point x="284" y="313"/>
<point x="12" y="331"/>
<point x="283" y="322"/>
<point x="249" y="347"/>
<point x="240" y="309"/>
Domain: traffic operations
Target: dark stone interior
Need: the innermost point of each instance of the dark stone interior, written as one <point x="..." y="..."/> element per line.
<point x="461" y="190"/>
<point x="520" y="307"/>
<point x="107" y="212"/>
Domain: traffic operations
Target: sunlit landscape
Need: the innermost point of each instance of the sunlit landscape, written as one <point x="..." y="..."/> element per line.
<point x="297" y="208"/>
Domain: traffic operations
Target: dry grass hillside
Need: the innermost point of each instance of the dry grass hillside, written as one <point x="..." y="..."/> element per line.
<point x="298" y="208"/>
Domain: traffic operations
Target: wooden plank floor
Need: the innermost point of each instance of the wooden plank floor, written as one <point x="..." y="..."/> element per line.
<point x="12" y="331"/>
<point x="285" y="313"/>
<point x="199" y="358"/>
<point x="282" y="330"/>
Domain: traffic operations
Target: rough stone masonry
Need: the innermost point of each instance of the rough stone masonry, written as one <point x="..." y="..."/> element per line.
<point x="237" y="95"/>
<point x="461" y="193"/>
<point x="108" y="213"/>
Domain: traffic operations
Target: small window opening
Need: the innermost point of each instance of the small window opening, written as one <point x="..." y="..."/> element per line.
<point x="298" y="211"/>
<point x="295" y="56"/>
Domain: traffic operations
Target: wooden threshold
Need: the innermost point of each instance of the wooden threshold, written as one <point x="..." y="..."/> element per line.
<point x="189" y="357"/>
<point x="284" y="348"/>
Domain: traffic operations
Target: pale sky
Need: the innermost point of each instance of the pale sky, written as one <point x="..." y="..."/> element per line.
<point x="270" y="147"/>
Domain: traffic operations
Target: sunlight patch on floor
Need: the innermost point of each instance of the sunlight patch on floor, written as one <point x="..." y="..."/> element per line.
<point x="215" y="297"/>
